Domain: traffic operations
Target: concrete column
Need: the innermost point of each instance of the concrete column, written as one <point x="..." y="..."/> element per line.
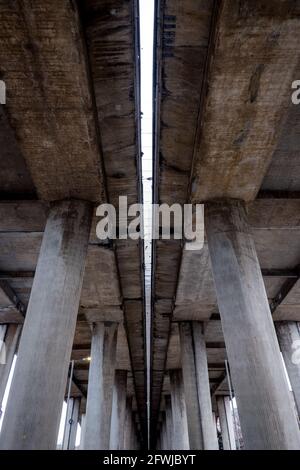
<point x="33" y="413"/>
<point x="226" y="423"/>
<point x="196" y="387"/>
<point x="128" y="425"/>
<point x="169" y="421"/>
<point x="118" y="410"/>
<point x="209" y="431"/>
<point x="82" y="424"/>
<point x="100" y="389"/>
<point x="180" y="426"/>
<point x="165" y="434"/>
<point x="69" y="440"/>
<point x="214" y="417"/>
<point x="268" y="418"/>
<point x="288" y="333"/>
<point x="190" y="386"/>
<point x="3" y="329"/>
<point x="11" y="340"/>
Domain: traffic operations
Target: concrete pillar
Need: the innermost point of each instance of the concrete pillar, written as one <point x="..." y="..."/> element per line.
<point x="100" y="388"/>
<point x="180" y="427"/>
<point x="226" y="423"/>
<point x="11" y="340"/>
<point x="268" y="418"/>
<point x="118" y="410"/>
<point x="82" y="434"/>
<point x="215" y="426"/>
<point x="288" y="334"/>
<point x="33" y="412"/>
<point x="3" y="329"/>
<point x="209" y="431"/>
<point x="166" y="444"/>
<point x="190" y="386"/>
<point x="196" y="387"/>
<point x="69" y="440"/>
<point x="169" y="421"/>
<point x="128" y="425"/>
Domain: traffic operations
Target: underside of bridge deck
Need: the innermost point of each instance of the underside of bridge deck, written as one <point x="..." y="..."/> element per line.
<point x="208" y="369"/>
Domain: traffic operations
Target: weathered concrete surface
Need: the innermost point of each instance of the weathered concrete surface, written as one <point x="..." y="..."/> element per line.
<point x="67" y="72"/>
<point x="288" y="335"/>
<point x="226" y="423"/>
<point x="180" y="434"/>
<point x="209" y="434"/>
<point x="118" y="411"/>
<point x="44" y="65"/>
<point x="43" y="359"/>
<point x="268" y="419"/>
<point x="190" y="387"/>
<point x="245" y="105"/>
<point x="100" y="391"/>
<point x="181" y="49"/>
<point x="111" y="29"/>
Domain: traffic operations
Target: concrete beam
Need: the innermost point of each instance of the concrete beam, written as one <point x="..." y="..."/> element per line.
<point x="243" y="123"/>
<point x="59" y="127"/>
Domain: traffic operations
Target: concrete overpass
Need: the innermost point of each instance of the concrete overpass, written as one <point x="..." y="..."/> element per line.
<point x="226" y="135"/>
<point x="72" y="307"/>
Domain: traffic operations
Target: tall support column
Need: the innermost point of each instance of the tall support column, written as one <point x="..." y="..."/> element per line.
<point x="196" y="387"/>
<point x="163" y="435"/>
<point x="268" y="419"/>
<point x="209" y="430"/>
<point x="190" y="386"/>
<point x="82" y="424"/>
<point x="180" y="427"/>
<point x="169" y="420"/>
<point x="128" y="425"/>
<point x="11" y="340"/>
<point x="33" y="413"/>
<point x="100" y="389"/>
<point x="69" y="440"/>
<point x="226" y="423"/>
<point x="118" y="410"/>
<point x="288" y="334"/>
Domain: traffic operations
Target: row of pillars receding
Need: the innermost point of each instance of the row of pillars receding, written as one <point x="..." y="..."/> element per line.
<point x="33" y="411"/>
<point x="266" y="409"/>
<point x="121" y="430"/>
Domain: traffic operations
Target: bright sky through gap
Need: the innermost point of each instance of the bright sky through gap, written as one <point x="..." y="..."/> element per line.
<point x="146" y="41"/>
